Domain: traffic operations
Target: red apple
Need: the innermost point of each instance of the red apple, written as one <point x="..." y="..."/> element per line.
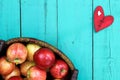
<point x="59" y="70"/>
<point x="44" y="58"/>
<point x="6" y="67"/>
<point x="25" y="66"/>
<point x="15" y="72"/>
<point x="35" y="73"/>
<point x="15" y="78"/>
<point x="17" y="53"/>
<point x="32" y="48"/>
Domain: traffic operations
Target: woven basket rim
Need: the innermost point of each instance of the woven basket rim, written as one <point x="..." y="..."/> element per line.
<point x="42" y="43"/>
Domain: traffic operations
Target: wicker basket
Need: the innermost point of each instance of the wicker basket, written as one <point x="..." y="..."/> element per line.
<point x="73" y="72"/>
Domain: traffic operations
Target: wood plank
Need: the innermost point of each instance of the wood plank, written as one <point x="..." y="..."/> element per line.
<point x="75" y="34"/>
<point x="9" y="19"/>
<point x="114" y="59"/>
<point x="103" y="48"/>
<point x="33" y="19"/>
<point x="50" y="22"/>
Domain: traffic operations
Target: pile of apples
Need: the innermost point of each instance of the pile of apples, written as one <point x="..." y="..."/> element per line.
<point x="31" y="62"/>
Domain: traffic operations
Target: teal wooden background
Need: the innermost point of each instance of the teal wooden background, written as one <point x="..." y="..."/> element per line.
<point x="68" y="25"/>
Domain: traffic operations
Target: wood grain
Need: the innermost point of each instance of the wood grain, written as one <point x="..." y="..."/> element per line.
<point x="33" y="20"/>
<point x="114" y="60"/>
<point x="75" y="34"/>
<point x="103" y="49"/>
<point x="51" y="23"/>
<point x="9" y="19"/>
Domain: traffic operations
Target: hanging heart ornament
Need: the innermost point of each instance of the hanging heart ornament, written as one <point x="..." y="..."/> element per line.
<point x="100" y="20"/>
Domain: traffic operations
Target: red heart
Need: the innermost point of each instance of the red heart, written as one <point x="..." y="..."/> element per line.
<point x="101" y="21"/>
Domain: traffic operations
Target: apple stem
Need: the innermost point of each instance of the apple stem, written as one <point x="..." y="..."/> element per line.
<point x="63" y="70"/>
<point x="16" y="61"/>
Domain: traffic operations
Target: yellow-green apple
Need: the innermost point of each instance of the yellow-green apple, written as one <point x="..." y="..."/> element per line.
<point x="32" y="48"/>
<point x="25" y="66"/>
